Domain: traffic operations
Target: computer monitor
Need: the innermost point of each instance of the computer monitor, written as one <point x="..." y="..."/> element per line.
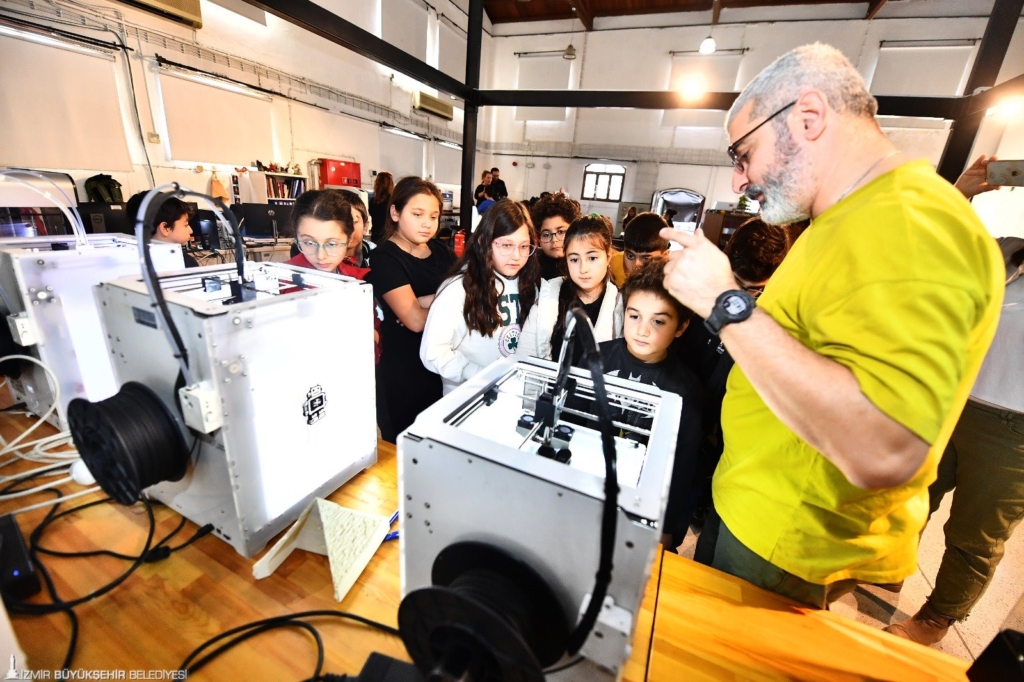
<point x="100" y="218"/>
<point x="205" y="229"/>
<point x="265" y="221"/>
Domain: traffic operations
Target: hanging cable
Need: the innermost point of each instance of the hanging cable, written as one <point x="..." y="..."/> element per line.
<point x="579" y="326"/>
<point x="144" y="225"/>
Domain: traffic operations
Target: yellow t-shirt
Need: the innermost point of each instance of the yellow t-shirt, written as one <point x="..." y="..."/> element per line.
<point x="901" y="283"/>
<point x="617" y="268"/>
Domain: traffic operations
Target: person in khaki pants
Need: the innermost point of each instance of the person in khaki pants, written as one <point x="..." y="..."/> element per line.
<point x="983" y="463"/>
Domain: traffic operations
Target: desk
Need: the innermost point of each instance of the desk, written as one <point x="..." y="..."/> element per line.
<point x="713" y="626"/>
<point x="695" y="623"/>
<point x="272" y="253"/>
<point x="165" y="610"/>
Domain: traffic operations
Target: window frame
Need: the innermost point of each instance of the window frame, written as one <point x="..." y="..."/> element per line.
<point x="597" y="178"/>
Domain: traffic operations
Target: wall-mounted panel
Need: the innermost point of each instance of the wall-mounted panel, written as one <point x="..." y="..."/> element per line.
<point x="401" y="155"/>
<point x="542" y="73"/>
<point x="404" y="25"/>
<point x="207" y="122"/>
<point x="59" y="108"/>
<point x="922" y="71"/>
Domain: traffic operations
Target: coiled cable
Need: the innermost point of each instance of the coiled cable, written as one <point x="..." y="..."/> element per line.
<point x="129" y="441"/>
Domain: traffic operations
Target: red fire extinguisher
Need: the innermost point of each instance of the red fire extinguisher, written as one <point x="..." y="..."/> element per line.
<point x="460" y="243"/>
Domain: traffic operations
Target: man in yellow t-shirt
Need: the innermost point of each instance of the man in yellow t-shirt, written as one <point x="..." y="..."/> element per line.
<point x="858" y="358"/>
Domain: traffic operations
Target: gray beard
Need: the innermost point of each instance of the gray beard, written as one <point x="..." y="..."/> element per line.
<point x="780" y="204"/>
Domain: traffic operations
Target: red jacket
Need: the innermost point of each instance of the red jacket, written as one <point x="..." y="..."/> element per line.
<point x="356" y="272"/>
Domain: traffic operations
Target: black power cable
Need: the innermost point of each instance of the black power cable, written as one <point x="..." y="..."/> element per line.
<point x="235" y="636"/>
<point x="592" y="356"/>
<point x="150" y="553"/>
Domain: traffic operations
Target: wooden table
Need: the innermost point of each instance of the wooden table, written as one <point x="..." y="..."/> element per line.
<point x="695" y="623"/>
<point x="713" y="626"/>
<point x="166" y="609"/>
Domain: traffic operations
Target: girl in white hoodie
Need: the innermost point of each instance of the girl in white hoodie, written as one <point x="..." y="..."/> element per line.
<point x="476" y="316"/>
<point x="588" y="247"/>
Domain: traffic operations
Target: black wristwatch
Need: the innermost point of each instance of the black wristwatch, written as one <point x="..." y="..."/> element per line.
<point x="731" y="306"/>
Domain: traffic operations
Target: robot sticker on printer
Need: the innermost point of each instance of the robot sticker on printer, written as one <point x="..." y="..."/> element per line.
<point x="315" y="406"/>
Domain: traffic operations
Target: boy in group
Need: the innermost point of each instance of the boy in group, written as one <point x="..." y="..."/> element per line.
<point x="551" y="216"/>
<point x="653" y="320"/>
<point x="170" y="225"/>
<point x="642" y="243"/>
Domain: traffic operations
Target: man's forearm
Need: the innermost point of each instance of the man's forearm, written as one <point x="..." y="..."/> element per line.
<point x="821" y="401"/>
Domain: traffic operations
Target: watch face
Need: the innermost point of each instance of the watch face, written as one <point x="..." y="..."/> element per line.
<point x="734" y="305"/>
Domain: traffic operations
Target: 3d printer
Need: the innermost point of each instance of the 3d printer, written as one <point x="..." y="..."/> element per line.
<point x="515" y="490"/>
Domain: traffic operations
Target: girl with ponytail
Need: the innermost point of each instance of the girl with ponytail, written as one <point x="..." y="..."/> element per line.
<point x="588" y="248"/>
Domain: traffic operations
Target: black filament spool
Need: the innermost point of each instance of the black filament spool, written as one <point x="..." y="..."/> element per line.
<point x="488" y="616"/>
<point x="129" y="441"/>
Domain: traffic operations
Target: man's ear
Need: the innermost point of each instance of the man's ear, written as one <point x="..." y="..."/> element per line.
<point x="812" y="114"/>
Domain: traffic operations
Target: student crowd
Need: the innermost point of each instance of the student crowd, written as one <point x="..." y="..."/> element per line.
<point x="815" y="417"/>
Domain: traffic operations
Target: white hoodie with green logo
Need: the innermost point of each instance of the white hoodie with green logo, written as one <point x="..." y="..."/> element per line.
<point x="450" y="349"/>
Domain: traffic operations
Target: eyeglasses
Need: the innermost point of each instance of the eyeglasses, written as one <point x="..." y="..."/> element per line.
<point x="548" y="237"/>
<point x="754" y="290"/>
<point x="311" y="248"/>
<point x="507" y="248"/>
<point x="734" y="155"/>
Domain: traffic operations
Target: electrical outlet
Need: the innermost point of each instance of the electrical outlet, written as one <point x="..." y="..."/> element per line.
<point x="154" y="138"/>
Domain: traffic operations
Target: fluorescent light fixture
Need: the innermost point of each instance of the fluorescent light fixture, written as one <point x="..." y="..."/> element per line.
<point x="707" y="46"/>
<point x="450" y="145"/>
<point x="214" y="82"/>
<point x="52" y="41"/>
<point x="966" y="42"/>
<point x="403" y="133"/>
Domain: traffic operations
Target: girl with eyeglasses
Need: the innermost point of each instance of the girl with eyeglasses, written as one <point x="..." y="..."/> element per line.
<point x="406" y="269"/>
<point x="477" y="313"/>
<point x="321" y="221"/>
<point x="588" y="248"/>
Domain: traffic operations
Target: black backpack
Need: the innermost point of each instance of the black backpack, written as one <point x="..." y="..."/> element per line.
<point x="103" y="189"/>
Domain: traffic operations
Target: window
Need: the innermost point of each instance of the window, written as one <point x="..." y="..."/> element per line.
<point x="603" y="181"/>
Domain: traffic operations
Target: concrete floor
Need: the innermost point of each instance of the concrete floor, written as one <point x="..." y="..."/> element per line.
<point x="967" y="639"/>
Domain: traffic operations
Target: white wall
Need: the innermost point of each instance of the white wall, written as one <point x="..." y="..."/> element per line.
<point x="630" y="57"/>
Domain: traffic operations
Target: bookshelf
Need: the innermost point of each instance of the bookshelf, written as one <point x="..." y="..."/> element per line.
<point x="277" y="188"/>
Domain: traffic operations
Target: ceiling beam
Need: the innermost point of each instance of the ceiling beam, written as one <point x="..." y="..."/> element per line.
<point x="583" y="13"/>
<point x="988" y="62"/>
<point x="324" y="23"/>
<point x="874" y="7"/>
<point x="716" y="12"/>
<point x="892" y="105"/>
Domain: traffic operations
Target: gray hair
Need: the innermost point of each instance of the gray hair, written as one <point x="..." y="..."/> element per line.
<point x="809" y="67"/>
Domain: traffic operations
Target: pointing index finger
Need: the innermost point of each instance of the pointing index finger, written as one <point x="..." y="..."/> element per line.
<point x="681" y="237"/>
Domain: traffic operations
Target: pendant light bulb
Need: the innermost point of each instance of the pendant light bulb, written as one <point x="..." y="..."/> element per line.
<point x="570" y="52"/>
<point x="707" y="46"/>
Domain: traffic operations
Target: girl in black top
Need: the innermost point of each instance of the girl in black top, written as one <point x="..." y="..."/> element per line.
<point x="406" y="270"/>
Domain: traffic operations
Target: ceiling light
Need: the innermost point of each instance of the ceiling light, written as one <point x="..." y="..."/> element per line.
<point x="404" y="133"/>
<point x="450" y="145"/>
<point x="51" y="41"/>
<point x="570" y="52"/>
<point x="692" y="89"/>
<point x="1008" y="108"/>
<point x="707" y="46"/>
